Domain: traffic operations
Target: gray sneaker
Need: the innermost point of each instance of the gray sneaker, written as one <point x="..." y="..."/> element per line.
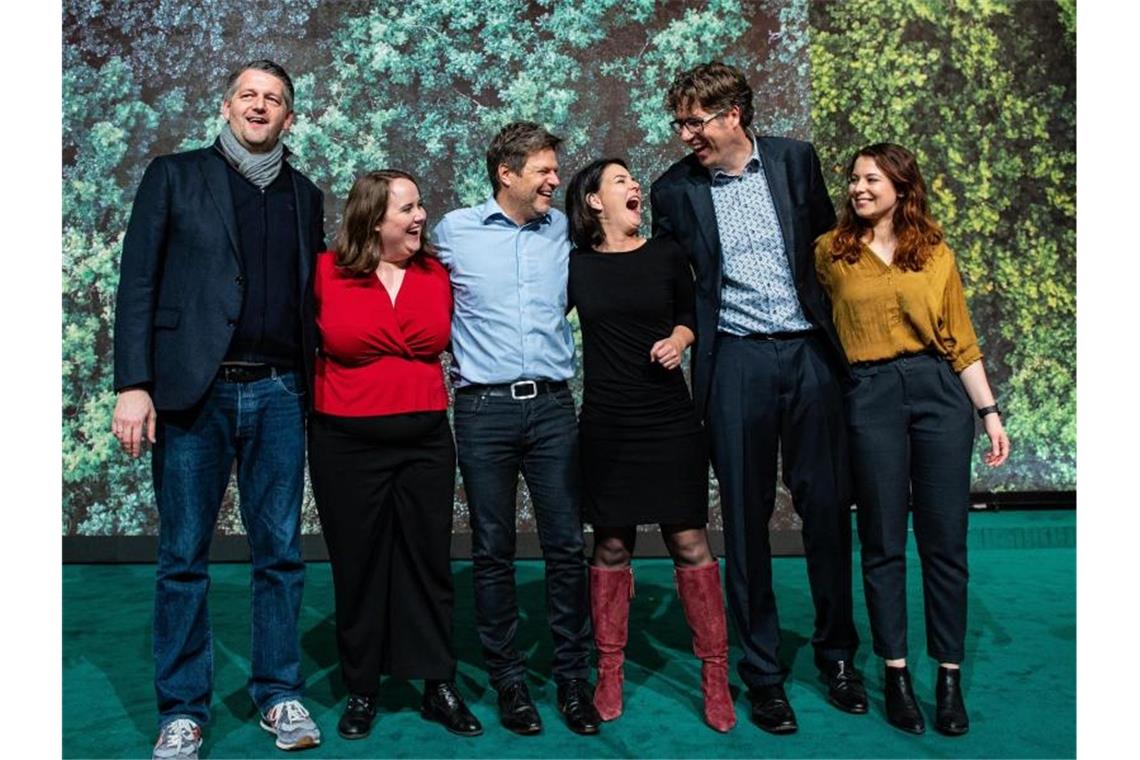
<point x="179" y="739"/>
<point x="289" y="721"/>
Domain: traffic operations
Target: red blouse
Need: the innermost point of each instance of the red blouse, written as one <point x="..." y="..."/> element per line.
<point x="376" y="358"/>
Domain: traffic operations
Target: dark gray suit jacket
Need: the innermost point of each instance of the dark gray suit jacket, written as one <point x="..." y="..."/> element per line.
<point x="682" y="205"/>
<point x="181" y="284"/>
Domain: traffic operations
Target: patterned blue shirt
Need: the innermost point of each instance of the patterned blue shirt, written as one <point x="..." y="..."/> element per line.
<point x="509" y="284"/>
<point x="757" y="294"/>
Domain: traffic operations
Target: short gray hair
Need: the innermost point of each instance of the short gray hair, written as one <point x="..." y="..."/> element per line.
<point x="269" y="67"/>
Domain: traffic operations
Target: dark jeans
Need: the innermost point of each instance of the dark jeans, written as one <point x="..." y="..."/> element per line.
<point x="497" y="437"/>
<point x="770" y="397"/>
<point x="261" y="426"/>
<point x="911" y="428"/>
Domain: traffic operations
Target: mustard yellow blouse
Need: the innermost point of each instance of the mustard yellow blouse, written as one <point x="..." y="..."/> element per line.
<point x="882" y="311"/>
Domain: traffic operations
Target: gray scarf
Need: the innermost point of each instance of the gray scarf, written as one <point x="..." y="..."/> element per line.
<point x="259" y="168"/>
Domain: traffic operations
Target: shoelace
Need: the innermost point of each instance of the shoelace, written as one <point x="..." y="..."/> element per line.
<point x="355" y="701"/>
<point x="294" y="712"/>
<point x="177" y="733"/>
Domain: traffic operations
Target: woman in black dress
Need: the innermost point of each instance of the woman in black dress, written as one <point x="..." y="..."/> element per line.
<point x="644" y="453"/>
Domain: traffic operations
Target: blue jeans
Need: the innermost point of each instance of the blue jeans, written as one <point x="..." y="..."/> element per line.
<point x="260" y="425"/>
<point x="496" y="438"/>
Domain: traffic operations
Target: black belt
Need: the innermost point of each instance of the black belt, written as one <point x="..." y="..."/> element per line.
<point x="245" y="373"/>
<point x="518" y="390"/>
<point x="895" y="358"/>
<point x="775" y="335"/>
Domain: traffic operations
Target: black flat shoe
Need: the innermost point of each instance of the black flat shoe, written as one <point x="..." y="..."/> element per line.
<point x="902" y="707"/>
<point x="517" y="712"/>
<point x="356" y="721"/>
<point x="772" y="711"/>
<point x="443" y="704"/>
<point x="950" y="710"/>
<point x="845" y="687"/>
<point x="576" y="703"/>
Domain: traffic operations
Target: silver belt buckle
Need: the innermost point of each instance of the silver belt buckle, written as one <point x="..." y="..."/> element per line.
<point x="517" y="396"/>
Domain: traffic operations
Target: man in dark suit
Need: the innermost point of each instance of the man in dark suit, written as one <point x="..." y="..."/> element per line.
<point x="214" y="339"/>
<point x="765" y="370"/>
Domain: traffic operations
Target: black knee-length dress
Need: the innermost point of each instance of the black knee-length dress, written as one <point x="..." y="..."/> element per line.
<point x="643" y="449"/>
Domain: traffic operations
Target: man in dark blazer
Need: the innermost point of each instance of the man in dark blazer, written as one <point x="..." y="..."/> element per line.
<point x="214" y="341"/>
<point x="765" y="368"/>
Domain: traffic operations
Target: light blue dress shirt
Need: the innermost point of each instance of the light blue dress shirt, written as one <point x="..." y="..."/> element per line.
<point x="758" y="294"/>
<point x="509" y="284"/>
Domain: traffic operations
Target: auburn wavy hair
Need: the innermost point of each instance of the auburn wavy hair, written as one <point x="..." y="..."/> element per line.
<point x="915" y="231"/>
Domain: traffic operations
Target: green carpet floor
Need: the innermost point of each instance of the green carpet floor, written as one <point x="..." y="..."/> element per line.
<point x="1020" y="677"/>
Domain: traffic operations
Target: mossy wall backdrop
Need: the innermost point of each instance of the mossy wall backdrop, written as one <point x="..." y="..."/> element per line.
<point x="984" y="92"/>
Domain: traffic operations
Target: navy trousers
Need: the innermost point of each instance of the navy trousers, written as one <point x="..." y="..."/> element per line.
<point x="911" y="429"/>
<point x="769" y="397"/>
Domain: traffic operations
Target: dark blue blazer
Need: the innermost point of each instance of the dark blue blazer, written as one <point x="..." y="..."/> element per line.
<point x="682" y="205"/>
<point x="181" y="284"/>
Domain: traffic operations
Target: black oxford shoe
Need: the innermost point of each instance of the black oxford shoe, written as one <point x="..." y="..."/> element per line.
<point x="443" y="704"/>
<point x="845" y="687"/>
<point x="517" y="711"/>
<point x="950" y="711"/>
<point x="576" y="703"/>
<point x="772" y="711"/>
<point x="902" y="707"/>
<point x="356" y="721"/>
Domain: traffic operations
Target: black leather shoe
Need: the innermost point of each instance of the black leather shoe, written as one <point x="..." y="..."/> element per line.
<point x="443" y="704"/>
<point x="772" y="711"/>
<point x="517" y="711"/>
<point x="950" y="711"/>
<point x="902" y="707"/>
<point x="356" y="721"/>
<point x="576" y="703"/>
<point x="845" y="687"/>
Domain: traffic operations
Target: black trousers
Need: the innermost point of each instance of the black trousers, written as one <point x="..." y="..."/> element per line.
<point x="769" y="396"/>
<point x="384" y="488"/>
<point x="911" y="429"/>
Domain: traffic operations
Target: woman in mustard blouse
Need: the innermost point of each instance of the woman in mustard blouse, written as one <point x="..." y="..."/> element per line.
<point x="901" y="315"/>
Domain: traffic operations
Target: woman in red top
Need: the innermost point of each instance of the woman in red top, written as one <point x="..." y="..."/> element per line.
<point x="381" y="454"/>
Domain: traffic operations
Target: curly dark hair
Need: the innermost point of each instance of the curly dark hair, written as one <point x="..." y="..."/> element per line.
<point x="714" y="86"/>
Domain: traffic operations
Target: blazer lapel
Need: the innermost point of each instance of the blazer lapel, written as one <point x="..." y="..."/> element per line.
<point x="214" y="171"/>
<point x="775" y="172"/>
<point x="698" y="191"/>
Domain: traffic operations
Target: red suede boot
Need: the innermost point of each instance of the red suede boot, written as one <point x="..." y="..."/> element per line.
<point x="610" y="592"/>
<point x="701" y="596"/>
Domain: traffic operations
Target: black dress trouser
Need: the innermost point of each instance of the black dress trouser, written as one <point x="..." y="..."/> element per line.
<point x="384" y="488"/>
<point x="768" y="397"/>
<point x="911" y="431"/>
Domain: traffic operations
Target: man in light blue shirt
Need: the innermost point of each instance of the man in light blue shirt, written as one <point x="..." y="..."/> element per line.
<point x="514" y="352"/>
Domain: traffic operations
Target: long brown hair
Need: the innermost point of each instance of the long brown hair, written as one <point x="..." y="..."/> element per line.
<point x="915" y="231"/>
<point x="357" y="242"/>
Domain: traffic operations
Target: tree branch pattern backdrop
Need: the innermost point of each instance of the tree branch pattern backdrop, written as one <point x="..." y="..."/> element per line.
<point x="983" y="91"/>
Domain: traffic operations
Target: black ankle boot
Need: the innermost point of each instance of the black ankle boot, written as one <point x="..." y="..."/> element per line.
<point x="902" y="707"/>
<point x="950" y="714"/>
<point x="356" y="721"/>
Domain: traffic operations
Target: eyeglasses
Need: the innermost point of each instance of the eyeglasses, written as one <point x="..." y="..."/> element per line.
<point x="694" y="125"/>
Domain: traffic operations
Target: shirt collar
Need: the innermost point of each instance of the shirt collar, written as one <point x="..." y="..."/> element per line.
<point x="491" y="210"/>
<point x="721" y="177"/>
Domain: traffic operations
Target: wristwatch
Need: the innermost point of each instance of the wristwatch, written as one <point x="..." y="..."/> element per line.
<point x="991" y="409"/>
